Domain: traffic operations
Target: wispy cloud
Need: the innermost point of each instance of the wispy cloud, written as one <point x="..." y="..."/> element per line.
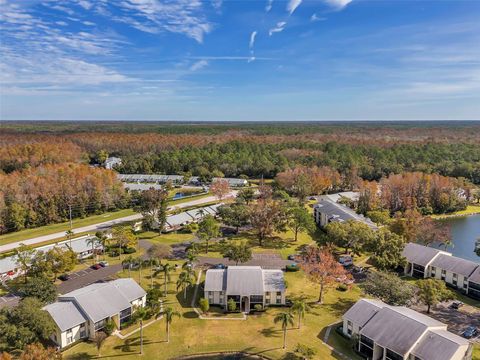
<point x="200" y="64"/>
<point x="338" y="4"/>
<point x="292" y="5"/>
<point x="315" y="18"/>
<point x="269" y="5"/>
<point x="278" y="28"/>
<point x="253" y="35"/>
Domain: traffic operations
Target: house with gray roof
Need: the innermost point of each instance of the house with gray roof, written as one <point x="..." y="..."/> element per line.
<point x="246" y="285"/>
<point x="398" y="333"/>
<point x="232" y="182"/>
<point x="426" y="262"/>
<point x="327" y="211"/>
<point x="112" y="161"/>
<point x="81" y="313"/>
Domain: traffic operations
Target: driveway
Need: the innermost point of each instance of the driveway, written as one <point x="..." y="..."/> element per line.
<point x="88" y="276"/>
<point x="266" y="261"/>
<point x="9" y="300"/>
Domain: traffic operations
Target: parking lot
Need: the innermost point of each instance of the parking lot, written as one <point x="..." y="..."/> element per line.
<point x="266" y="261"/>
<point x="457" y="320"/>
<point x="88" y="276"/>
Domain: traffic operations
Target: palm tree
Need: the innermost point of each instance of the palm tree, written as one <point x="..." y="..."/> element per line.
<point x="93" y="242"/>
<point x="300" y="307"/>
<point x="154" y="263"/>
<point x="141" y="314"/>
<point x="129" y="261"/>
<point x="69" y="235"/>
<point x="285" y="318"/>
<point x="103" y="240"/>
<point x="185" y="279"/>
<point x="167" y="269"/>
<point x="169" y="314"/>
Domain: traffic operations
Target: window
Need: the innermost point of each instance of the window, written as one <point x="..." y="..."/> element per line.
<point x="279" y="293"/>
<point x="100" y="325"/>
<point x="444" y="273"/>
<point x="279" y="300"/>
<point x="433" y="272"/>
<point x="267" y="301"/>
<point x="69" y="336"/>
<point x="349" y="328"/>
<point x="393" y="355"/>
<point x="256" y="298"/>
<point x="83" y="331"/>
<point x="366" y="346"/>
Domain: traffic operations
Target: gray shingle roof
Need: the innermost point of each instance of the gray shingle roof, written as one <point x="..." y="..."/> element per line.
<point x="102" y="300"/>
<point x="454" y="264"/>
<point x="398" y="330"/>
<point x="65" y="314"/>
<point x="363" y="310"/>
<point x="419" y="254"/>
<point x="214" y="280"/>
<point x="179" y="219"/>
<point x="339" y="212"/>
<point x="475" y="277"/>
<point x="273" y="280"/>
<point x="438" y="345"/>
<point x="244" y="280"/>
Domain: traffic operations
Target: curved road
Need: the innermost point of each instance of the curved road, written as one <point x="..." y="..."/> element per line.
<point x="104" y="225"/>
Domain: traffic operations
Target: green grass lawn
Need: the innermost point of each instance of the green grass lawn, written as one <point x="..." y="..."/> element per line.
<point x="54" y="228"/>
<point x="257" y="334"/>
<point x="471" y="209"/>
<point x="476" y="352"/>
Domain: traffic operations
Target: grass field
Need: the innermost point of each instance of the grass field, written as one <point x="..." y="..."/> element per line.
<point x="257" y="334"/>
<point x="470" y="210"/>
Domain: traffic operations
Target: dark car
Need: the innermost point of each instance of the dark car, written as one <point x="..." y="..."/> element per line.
<point x="470" y="332"/>
<point x="291" y="257"/>
<point x="456" y="305"/>
<point x="96" y="266"/>
<point x="64" y="277"/>
<point x="219" y="266"/>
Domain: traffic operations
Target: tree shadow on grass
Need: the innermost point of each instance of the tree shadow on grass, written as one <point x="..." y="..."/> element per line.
<point x="190" y="315"/>
<point x="270" y="332"/>
<point x="339" y="307"/>
<point x="81" y="356"/>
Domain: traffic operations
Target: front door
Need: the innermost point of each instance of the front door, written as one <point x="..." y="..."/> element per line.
<point x="245" y="304"/>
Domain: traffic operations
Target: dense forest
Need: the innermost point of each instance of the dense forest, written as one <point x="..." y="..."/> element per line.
<point x="44" y="165"/>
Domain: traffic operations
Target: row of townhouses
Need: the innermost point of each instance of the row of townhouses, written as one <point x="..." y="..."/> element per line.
<point x="81" y="313"/>
<point x="427" y="262"/>
<point x="387" y="332"/>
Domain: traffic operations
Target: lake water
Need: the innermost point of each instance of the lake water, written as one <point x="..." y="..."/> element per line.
<point x="465" y="230"/>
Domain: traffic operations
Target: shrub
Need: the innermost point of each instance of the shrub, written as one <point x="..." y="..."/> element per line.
<point x="231" y="305"/>
<point x="109" y="327"/>
<point x="342" y="287"/>
<point x="258" y="307"/>
<point x="292" y="268"/>
<point x="204" y="305"/>
<point x="129" y="250"/>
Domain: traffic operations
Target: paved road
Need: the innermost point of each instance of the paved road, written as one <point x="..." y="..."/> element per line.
<point x="9" y="300"/>
<point x="104" y="225"/>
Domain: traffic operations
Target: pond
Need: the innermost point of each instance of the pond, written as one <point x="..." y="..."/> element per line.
<point x="465" y="231"/>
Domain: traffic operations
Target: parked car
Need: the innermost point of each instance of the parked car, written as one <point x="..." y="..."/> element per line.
<point x="64" y="277"/>
<point x="456" y="305"/>
<point x="103" y="263"/>
<point x="219" y="266"/>
<point x="292" y="257"/>
<point x="345" y="260"/>
<point x="470" y="332"/>
<point x="96" y="266"/>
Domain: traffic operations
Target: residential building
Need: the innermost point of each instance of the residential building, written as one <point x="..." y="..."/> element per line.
<point x="387" y="332"/>
<point x="111" y="162"/>
<point x="81" y="245"/>
<point x="81" y="313"/>
<point x="246" y="285"/>
<point x="426" y="262"/>
<point x="151" y="178"/>
<point x="233" y="182"/>
<point x="326" y="211"/>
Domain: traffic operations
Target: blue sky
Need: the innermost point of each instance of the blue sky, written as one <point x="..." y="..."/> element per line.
<point x="239" y="60"/>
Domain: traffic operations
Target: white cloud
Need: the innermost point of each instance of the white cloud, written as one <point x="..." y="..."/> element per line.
<point x="315" y="18"/>
<point x="253" y="35"/>
<point x="278" y="28"/>
<point x="217" y="4"/>
<point x="293" y="5"/>
<point x="338" y="4"/>
<point x="61" y="23"/>
<point x="199" y="65"/>
<point x="87" y="5"/>
<point x="88" y="23"/>
<point x="268" y="7"/>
